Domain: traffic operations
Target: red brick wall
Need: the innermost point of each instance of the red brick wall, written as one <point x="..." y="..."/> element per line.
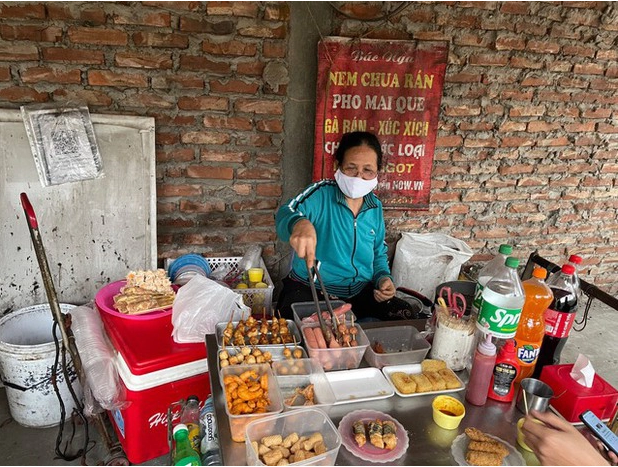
<point x="526" y="151"/>
<point x="527" y="139"/>
<point x="199" y="69"/>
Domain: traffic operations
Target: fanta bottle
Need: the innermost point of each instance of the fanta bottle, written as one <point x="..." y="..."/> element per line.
<point x="531" y="328"/>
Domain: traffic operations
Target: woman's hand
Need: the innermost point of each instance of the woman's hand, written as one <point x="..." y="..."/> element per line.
<point x="557" y="442"/>
<point x="385" y="290"/>
<point x="304" y="240"/>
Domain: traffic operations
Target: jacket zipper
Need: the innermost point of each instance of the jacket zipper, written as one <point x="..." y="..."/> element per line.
<point x="353" y="254"/>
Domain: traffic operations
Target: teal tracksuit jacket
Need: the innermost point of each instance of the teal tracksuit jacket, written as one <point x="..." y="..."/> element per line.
<point x="351" y="251"/>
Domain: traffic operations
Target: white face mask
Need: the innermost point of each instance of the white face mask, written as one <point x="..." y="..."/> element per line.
<point x="354" y="187"/>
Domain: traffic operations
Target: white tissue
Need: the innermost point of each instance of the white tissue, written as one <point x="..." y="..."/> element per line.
<point x="582" y="371"/>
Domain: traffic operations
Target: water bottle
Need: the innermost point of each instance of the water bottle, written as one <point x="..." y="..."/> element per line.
<point x="209" y="447"/>
<point x="183" y="452"/>
<point x="559" y="318"/>
<point x="492" y="268"/>
<point x="501" y="302"/>
<point x="190" y="416"/>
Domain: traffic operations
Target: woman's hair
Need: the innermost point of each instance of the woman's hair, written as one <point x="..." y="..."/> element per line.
<point x="358" y="138"/>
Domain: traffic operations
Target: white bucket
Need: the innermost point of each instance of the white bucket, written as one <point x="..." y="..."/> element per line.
<point x="27" y="354"/>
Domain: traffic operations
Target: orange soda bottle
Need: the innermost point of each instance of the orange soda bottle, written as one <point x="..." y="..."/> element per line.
<point x="531" y="328"/>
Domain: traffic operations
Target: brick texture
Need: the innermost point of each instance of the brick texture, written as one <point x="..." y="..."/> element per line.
<point x="526" y="151"/>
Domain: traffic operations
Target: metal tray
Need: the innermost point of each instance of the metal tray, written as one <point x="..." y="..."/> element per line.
<point x="415" y="368"/>
<point x="360" y="385"/>
<point x="220" y="327"/>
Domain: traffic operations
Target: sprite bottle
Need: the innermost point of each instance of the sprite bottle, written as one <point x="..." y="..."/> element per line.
<point x="501" y="302"/>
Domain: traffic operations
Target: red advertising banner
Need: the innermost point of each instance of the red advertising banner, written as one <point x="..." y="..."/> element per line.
<point x="392" y="89"/>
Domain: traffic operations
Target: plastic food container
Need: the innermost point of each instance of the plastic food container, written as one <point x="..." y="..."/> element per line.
<point x="447" y="412"/>
<point x="220" y="327"/>
<point x="104" y="301"/>
<point x="344" y="358"/>
<point x="298" y="374"/>
<point x="305" y="309"/>
<point x="276" y="352"/>
<point x="239" y="422"/>
<point x="402" y="344"/>
<point x="305" y="422"/>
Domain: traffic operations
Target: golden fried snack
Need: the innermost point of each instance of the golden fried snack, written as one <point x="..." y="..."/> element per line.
<point x="437" y="382"/>
<point x="494" y="447"/>
<point x="477" y="435"/>
<point x="483" y="458"/>
<point x="375" y="433"/>
<point x="359" y="433"/>
<point x="403" y="382"/>
<point x="449" y="378"/>
<point x="432" y="365"/>
<point x="390" y="434"/>
<point x="422" y="382"/>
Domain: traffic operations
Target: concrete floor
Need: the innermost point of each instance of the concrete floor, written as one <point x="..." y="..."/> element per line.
<point x="27" y="446"/>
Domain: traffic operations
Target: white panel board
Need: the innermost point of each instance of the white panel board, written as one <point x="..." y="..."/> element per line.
<point x="94" y="231"/>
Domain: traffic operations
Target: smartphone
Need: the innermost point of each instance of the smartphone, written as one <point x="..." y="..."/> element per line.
<point x="600" y="430"/>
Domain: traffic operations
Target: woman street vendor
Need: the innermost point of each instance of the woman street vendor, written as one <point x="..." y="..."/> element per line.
<point x="338" y="226"/>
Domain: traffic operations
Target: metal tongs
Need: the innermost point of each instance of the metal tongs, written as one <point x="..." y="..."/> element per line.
<point x="326" y="332"/>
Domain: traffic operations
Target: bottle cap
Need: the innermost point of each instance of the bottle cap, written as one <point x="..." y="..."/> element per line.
<point x="487" y="347"/>
<point x="540" y="273"/>
<point x="568" y="269"/>
<point x="511" y="262"/>
<point x="180" y="427"/>
<point x="509" y="346"/>
<point x="193" y="398"/>
<point x="575" y="259"/>
<point x="505" y="249"/>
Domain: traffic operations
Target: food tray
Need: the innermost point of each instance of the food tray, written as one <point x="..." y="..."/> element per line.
<point x="238" y="423"/>
<point x="403" y="345"/>
<point x="275" y="350"/>
<point x="304" y="422"/>
<point x="360" y="385"/>
<point x="414" y="369"/>
<point x="460" y="446"/>
<point x="220" y="327"/>
<point x="343" y="358"/>
<point x="310" y="372"/>
<point x="302" y="310"/>
<point x="369" y="452"/>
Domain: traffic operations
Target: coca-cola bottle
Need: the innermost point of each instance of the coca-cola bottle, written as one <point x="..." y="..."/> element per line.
<point x="559" y="318"/>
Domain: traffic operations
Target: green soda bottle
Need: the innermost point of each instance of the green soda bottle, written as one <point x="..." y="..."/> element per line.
<point x="184" y="454"/>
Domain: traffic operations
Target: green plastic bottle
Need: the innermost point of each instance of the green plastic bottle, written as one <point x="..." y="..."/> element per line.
<point x="184" y="454"/>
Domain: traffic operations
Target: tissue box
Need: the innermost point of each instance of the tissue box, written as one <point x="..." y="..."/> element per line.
<point x="571" y="398"/>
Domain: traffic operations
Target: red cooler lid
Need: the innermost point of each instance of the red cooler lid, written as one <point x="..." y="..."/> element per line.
<point x="147" y="346"/>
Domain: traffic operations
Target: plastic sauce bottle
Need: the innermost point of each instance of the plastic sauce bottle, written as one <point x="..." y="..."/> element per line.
<point x="190" y="416"/>
<point x="502" y="301"/>
<point x="482" y="369"/>
<point x="531" y="328"/>
<point x="559" y="318"/>
<point x="502" y="385"/>
<point x="490" y="270"/>
<point x="184" y="454"/>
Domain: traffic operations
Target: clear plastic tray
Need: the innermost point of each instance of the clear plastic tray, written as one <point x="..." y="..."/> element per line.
<point x="363" y="384"/>
<point x="402" y="345"/>
<point x="304" y="422"/>
<point x="415" y="368"/>
<point x="220" y="327"/>
<point x="302" y="310"/>
<point x="344" y="358"/>
<point x="275" y="350"/>
<point x="239" y="422"/>
<point x="293" y="374"/>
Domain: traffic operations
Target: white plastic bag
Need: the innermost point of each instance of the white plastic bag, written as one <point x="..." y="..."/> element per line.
<point x="199" y="305"/>
<point x="424" y="261"/>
